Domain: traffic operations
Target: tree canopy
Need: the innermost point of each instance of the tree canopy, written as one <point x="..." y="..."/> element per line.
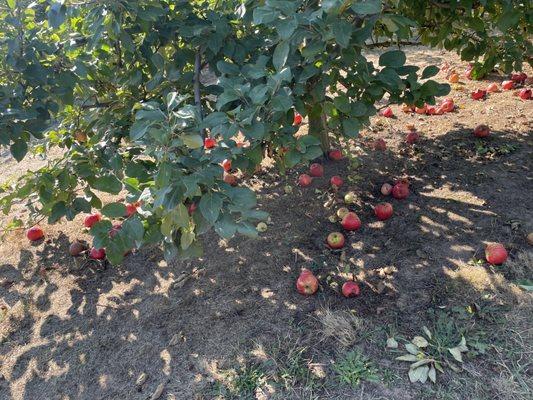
<point x="131" y="88"/>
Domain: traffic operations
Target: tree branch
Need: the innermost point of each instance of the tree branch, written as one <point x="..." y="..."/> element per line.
<point x="197" y="94"/>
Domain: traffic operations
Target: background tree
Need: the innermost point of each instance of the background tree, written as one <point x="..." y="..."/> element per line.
<point x="130" y="89"/>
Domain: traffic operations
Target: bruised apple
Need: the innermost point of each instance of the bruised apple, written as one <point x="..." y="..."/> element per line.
<point x="400" y="190"/>
<point x="495" y="253"/>
<point x="304" y="180"/>
<point x="351" y="222"/>
<point x="350" y="289"/>
<point x="383" y="211"/>
<point x="481" y="131"/>
<point x="335" y="240"/>
<point x="34" y="233"/>
<point x="307" y="283"/>
<point x="316" y="170"/>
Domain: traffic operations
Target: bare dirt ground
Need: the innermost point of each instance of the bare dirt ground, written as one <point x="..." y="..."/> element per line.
<point x="231" y="324"/>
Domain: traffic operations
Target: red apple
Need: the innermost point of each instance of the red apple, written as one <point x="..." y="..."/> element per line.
<point x="420" y="110"/>
<point x="209" y="143"/>
<point x="400" y="191"/>
<point x="524" y="94"/>
<point x="92" y="219"/>
<point x="304" y="180"/>
<point x="316" y="170"/>
<point x="297" y="119"/>
<point x="226" y="164"/>
<point x="335" y="240"/>
<point x="387" y="112"/>
<point x="230" y="179"/>
<point x="508" y="85"/>
<point x="431" y="110"/>
<point x="481" y="131"/>
<point x="495" y="253"/>
<point x="306" y="284"/>
<point x="493" y="88"/>
<point x="336" y="181"/>
<point x="412" y="137"/>
<point x="335" y="154"/>
<point x="97" y="254"/>
<point x="380" y="145"/>
<point x="130" y="209"/>
<point x="76" y="248"/>
<point x="383" y="211"/>
<point x="520" y="77"/>
<point x="386" y="189"/>
<point x="351" y="222"/>
<point x="191" y="208"/>
<point x="478" y="94"/>
<point x="447" y="105"/>
<point x="350" y="289"/>
<point x="34" y="233"/>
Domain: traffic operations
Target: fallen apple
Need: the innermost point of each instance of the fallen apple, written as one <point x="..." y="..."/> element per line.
<point x="508" y="85"/>
<point x="447" y="105"/>
<point x="412" y="137"/>
<point x="76" y="248"/>
<point x="335" y="154"/>
<point x="350" y="198"/>
<point x="336" y="181"/>
<point x="307" y="283"/>
<point x="519" y="78"/>
<point x="92" y="219"/>
<point x="351" y="222"/>
<point x="335" y="240"/>
<point x="387" y="112"/>
<point x="420" y="110"/>
<point x="400" y="191"/>
<point x="350" y="289"/>
<point x="495" y="253"/>
<point x="481" y="131"/>
<point x="493" y="88"/>
<point x="431" y="110"/>
<point x="478" y="94"/>
<point x="97" y="254"/>
<point x="261" y="227"/>
<point x="524" y="94"/>
<point x="316" y="170"/>
<point x="380" y="145"/>
<point x="454" y="78"/>
<point x="341" y="212"/>
<point x="304" y="180"/>
<point x="383" y="211"/>
<point x="386" y="189"/>
<point x="34" y="233"/>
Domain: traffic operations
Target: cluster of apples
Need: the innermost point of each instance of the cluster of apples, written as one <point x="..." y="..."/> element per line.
<point x="515" y="80"/>
<point x="77" y="248"/>
<point x="446" y="106"/>
<point x="228" y="176"/>
<point x="307" y="284"/>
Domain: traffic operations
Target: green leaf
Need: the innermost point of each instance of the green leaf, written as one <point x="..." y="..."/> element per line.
<point x="430" y="71"/>
<point x="114" y="210"/>
<point x="264" y="15"/>
<point x="192" y="141"/>
<point x="351" y="127"/>
<point x="210" y="206"/>
<point x="58" y="211"/>
<point x="456" y="353"/>
<point x="19" y="149"/>
<point x="226" y="227"/>
<point x="107" y="184"/>
<point x="432" y="374"/>
<point x="287" y="27"/>
<point x="393" y="344"/>
<point x="12" y="4"/>
<point x="281" y="53"/>
<point x="411" y="348"/>
<point x="419" y="341"/>
<point x="393" y="58"/>
<point x="342" y="31"/>
<point x="367" y="7"/>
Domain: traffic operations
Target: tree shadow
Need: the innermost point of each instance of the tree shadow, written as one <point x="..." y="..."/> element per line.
<point x="81" y="330"/>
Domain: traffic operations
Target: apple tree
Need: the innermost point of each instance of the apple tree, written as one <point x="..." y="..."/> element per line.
<point x="128" y="91"/>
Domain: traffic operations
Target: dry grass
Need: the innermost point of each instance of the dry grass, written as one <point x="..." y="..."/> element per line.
<point x="343" y="326"/>
<point x="521" y="266"/>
